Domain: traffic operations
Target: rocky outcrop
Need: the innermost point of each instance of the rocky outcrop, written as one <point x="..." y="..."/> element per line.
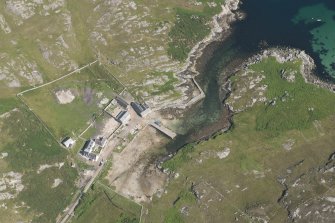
<point x="299" y="198"/>
<point x="288" y="54"/>
<point x="221" y="25"/>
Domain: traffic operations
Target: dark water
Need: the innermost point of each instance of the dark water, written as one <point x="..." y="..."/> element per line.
<point x="304" y="24"/>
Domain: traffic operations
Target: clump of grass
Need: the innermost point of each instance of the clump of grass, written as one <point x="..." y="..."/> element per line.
<point x="29" y="145"/>
<point x="190" y="28"/>
<point x="7" y="104"/>
<point x="71" y="119"/>
<point x="185" y="197"/>
<point x="173" y="216"/>
<point x="167" y="86"/>
<point x="102" y="205"/>
<point x="295" y="105"/>
<point x="181" y="157"/>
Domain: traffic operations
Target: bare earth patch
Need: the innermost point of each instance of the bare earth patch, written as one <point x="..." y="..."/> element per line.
<point x="10" y="185"/>
<point x="65" y="96"/>
<point x="46" y="166"/>
<point x="223" y="154"/>
<point x="56" y="183"/>
<point x="131" y="175"/>
<point x="109" y="127"/>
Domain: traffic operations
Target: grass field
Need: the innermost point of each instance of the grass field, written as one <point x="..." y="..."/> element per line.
<point x="43" y="40"/>
<point x="245" y="185"/>
<point x="133" y="39"/>
<point x="29" y="146"/>
<point x="90" y="87"/>
<point x="297" y="103"/>
<point x="101" y="204"/>
<point x="190" y="27"/>
<point x="7" y="104"/>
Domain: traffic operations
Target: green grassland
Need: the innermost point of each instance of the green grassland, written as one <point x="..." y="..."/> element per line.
<point x="157" y="84"/>
<point x="36" y="32"/>
<point x="29" y="146"/>
<point x="52" y="42"/>
<point x="190" y="27"/>
<point x="71" y="119"/>
<point x="244" y="185"/>
<point x="138" y="40"/>
<point x="102" y="205"/>
<point x="7" y="104"/>
<point x="297" y="104"/>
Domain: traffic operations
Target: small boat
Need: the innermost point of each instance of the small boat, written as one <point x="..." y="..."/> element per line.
<point x="319" y="20"/>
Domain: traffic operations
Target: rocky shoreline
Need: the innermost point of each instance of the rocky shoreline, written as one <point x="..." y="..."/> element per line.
<point x="221" y="24"/>
<point x="289" y="54"/>
<point x="282" y="55"/>
<point x="220" y="27"/>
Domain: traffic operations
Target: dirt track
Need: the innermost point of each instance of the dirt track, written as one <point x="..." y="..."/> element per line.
<point x="131" y="174"/>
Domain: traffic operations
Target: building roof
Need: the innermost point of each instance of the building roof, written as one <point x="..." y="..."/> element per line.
<point x="92" y="156"/>
<point x="68" y="142"/>
<point x="101" y="141"/>
<point x="88" y="146"/>
<point x="140" y="109"/>
<point x="122" y="102"/>
<point x="123" y="117"/>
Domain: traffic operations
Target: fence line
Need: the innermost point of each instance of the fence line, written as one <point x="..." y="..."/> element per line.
<point x="105" y="186"/>
<point x="58" y="79"/>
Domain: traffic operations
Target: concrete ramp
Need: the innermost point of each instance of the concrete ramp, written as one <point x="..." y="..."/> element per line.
<point x="163" y="130"/>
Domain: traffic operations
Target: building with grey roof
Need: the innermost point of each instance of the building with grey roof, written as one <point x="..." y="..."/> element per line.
<point x="142" y="109"/>
<point x="88" y="147"/>
<point x="101" y="141"/>
<point x="122" y="102"/>
<point x="123" y="117"/>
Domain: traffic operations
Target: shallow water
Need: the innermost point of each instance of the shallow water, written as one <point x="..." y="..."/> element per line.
<point x="323" y="33"/>
<point x="285" y="23"/>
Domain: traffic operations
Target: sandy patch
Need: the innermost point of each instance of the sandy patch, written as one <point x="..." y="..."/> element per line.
<point x="3" y="155"/>
<point x="330" y="199"/>
<point x="56" y="183"/>
<point x="131" y="173"/>
<point x="109" y="127"/>
<point x="65" y="96"/>
<point x="10" y="185"/>
<point x="7" y="114"/>
<point x="288" y="144"/>
<point x="103" y="102"/>
<point x="46" y="166"/>
<point x="224" y="153"/>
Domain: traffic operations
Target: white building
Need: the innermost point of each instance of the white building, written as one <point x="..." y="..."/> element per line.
<point x="68" y="142"/>
<point x="88" y="147"/>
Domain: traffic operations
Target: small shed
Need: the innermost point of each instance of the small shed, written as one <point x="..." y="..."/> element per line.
<point x="68" y="142"/>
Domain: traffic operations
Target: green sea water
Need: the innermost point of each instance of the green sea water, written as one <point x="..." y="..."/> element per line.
<point x="322" y="19"/>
